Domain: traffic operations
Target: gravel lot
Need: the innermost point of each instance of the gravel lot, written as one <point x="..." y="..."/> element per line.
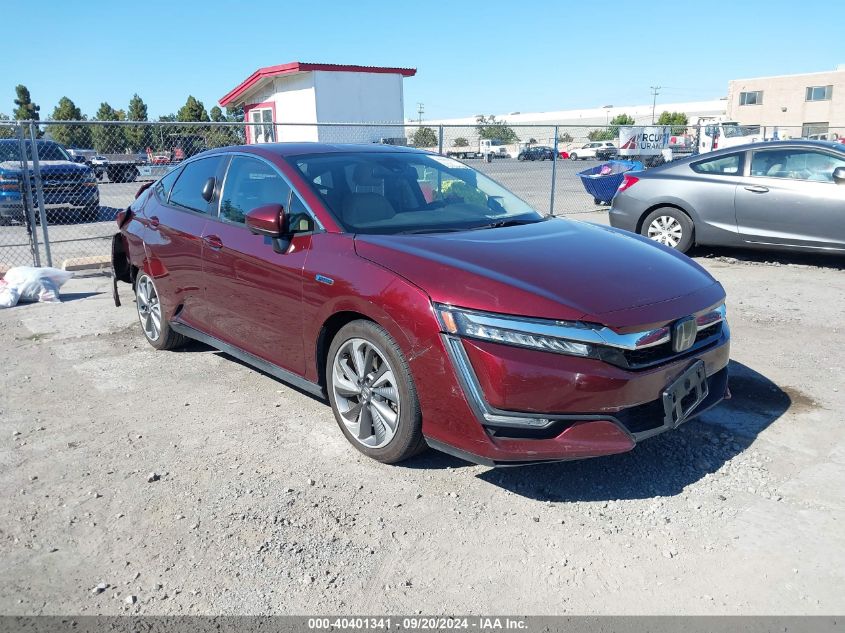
<point x="259" y="505"/>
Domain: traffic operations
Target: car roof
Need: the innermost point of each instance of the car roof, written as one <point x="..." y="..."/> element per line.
<point x="296" y="149"/>
<point x="795" y="142"/>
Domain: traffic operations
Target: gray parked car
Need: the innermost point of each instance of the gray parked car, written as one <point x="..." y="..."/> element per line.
<point x="776" y="194"/>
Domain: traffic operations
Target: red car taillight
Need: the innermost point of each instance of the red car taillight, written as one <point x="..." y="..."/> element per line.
<point x="627" y="181"/>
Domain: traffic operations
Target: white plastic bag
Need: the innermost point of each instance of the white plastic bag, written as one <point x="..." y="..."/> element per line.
<point x="33" y="284"/>
<point x="8" y="295"/>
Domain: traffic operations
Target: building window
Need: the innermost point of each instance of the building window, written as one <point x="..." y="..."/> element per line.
<point x="264" y="133"/>
<point x="819" y="93"/>
<point x="815" y="131"/>
<point x="751" y="98"/>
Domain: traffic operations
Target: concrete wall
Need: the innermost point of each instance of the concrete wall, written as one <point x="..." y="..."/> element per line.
<point x="784" y="101"/>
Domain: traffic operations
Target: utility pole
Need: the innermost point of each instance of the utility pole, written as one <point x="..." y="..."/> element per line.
<point x="655" y="90"/>
<point x="420" y="110"/>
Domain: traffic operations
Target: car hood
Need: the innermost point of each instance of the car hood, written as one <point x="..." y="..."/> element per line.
<point x="557" y="269"/>
<point x="47" y="167"/>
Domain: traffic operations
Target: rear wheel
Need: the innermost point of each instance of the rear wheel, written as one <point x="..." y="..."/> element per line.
<point x="154" y="324"/>
<point x="372" y="393"/>
<point x="670" y="227"/>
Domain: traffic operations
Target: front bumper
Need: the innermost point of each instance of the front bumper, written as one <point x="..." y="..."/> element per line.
<point x="81" y="197"/>
<point x="537" y="406"/>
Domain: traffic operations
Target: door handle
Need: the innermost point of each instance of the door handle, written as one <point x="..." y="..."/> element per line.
<point x="212" y="241"/>
<point x="154" y="221"/>
<point x="757" y="189"/>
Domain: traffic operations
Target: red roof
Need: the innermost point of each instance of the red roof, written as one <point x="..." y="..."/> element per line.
<point x="298" y="67"/>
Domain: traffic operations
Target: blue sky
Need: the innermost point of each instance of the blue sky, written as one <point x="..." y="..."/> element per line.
<point x="472" y="56"/>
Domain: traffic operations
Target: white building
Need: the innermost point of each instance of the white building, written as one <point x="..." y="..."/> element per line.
<point x="308" y="93"/>
<point x="539" y="126"/>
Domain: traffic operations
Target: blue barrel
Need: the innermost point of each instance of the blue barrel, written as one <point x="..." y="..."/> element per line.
<point x="602" y="181"/>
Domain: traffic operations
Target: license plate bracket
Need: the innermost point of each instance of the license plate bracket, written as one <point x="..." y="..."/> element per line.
<point x="684" y="394"/>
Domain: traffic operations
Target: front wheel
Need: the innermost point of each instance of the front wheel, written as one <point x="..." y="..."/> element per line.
<point x="670" y="227"/>
<point x="573" y="156"/>
<point x="372" y="393"/>
<point x="153" y="322"/>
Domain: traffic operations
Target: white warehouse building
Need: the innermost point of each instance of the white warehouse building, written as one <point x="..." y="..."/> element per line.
<point x="309" y="93"/>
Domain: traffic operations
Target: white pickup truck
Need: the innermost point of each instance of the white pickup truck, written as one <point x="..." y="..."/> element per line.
<point x="498" y="149"/>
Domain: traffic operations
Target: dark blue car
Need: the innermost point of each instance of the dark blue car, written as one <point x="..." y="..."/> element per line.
<point x="69" y="187"/>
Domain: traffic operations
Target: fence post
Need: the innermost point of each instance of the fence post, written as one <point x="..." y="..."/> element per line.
<point x="554" y="175"/>
<point x="440" y="139"/>
<point x="39" y="193"/>
<point x="28" y="205"/>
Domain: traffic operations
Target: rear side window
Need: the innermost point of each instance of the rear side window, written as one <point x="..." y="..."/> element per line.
<point x="165" y="184"/>
<point x="250" y="183"/>
<point x="795" y="164"/>
<point x="187" y="192"/>
<point x="730" y="165"/>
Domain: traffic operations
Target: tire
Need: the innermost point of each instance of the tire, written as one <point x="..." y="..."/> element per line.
<point x="363" y="392"/>
<point x="573" y="156"/>
<point x="597" y="201"/>
<point x="154" y="325"/>
<point x="669" y="226"/>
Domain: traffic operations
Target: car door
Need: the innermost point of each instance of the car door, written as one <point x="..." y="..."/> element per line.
<point x="789" y="198"/>
<point x="254" y="293"/>
<point x="173" y="239"/>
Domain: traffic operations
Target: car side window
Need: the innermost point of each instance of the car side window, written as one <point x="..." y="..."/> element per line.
<point x="187" y="192"/>
<point x="165" y="184"/>
<point x="795" y="164"/>
<point x="250" y="183"/>
<point x="730" y="165"/>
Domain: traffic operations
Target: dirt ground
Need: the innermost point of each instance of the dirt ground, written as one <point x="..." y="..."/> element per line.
<point x="259" y="505"/>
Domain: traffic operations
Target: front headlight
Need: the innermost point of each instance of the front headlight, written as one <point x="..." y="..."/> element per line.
<point x="561" y="337"/>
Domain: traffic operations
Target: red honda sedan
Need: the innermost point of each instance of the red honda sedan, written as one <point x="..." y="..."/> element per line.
<point x="427" y="303"/>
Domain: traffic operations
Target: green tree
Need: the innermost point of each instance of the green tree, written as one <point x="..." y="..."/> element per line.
<point x="566" y="137"/>
<point x="612" y="131"/>
<point x="491" y="129"/>
<point x="193" y="110"/>
<point x="622" y="119"/>
<point x="26" y="110"/>
<point x="461" y="142"/>
<point x="678" y="121"/>
<point x="217" y="115"/>
<point x="424" y="137"/>
<point x="6" y="131"/>
<point x="600" y="135"/>
<point x="138" y="137"/>
<point x="69" y="135"/>
<point x="108" y="138"/>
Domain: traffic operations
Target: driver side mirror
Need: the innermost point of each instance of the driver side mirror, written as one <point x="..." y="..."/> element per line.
<point x="839" y="175"/>
<point x="267" y="220"/>
<point x="208" y="189"/>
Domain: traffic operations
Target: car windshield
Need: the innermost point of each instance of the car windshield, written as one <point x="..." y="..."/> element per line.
<point x="733" y="131"/>
<point x="10" y="150"/>
<point x="404" y="192"/>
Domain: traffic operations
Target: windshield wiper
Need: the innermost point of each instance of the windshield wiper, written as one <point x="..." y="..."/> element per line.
<point x="432" y="230"/>
<point x="501" y="223"/>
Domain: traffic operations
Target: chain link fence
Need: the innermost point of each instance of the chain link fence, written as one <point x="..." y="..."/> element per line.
<point x="62" y="183"/>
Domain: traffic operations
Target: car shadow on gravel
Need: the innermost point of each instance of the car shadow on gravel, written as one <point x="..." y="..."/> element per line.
<point x="663" y="465"/>
<point x="768" y="258"/>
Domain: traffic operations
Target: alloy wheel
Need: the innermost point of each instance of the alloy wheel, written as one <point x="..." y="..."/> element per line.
<point x="149" y="307"/>
<point x="666" y="230"/>
<point x="365" y="392"/>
